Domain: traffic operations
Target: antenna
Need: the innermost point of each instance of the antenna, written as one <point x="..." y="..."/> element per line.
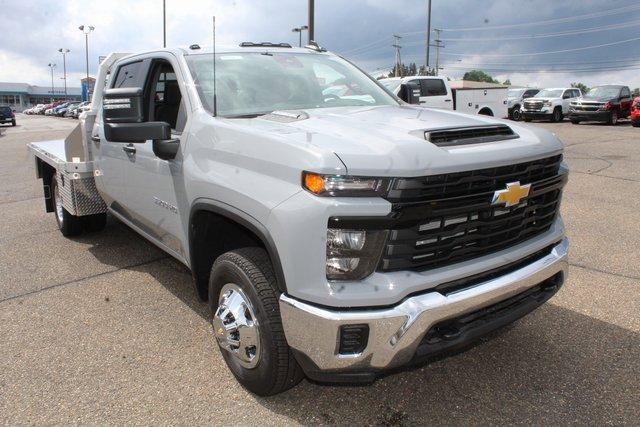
<point x="215" y="101"/>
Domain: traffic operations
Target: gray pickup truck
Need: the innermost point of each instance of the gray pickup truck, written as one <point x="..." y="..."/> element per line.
<point x="335" y="231"/>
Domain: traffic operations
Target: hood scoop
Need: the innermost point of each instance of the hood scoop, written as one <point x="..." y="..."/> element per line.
<point x="285" y="116"/>
<point x="469" y="135"/>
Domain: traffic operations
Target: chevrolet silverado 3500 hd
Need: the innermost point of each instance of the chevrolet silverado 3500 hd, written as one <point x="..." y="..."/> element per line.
<point x="333" y="235"/>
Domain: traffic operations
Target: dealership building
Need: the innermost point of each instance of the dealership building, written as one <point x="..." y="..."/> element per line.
<point x="22" y="95"/>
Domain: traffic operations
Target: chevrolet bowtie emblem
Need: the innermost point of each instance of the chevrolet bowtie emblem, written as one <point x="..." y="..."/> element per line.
<point x="511" y="195"/>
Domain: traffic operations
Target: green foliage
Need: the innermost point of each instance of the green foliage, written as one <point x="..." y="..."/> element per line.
<point x="507" y="82"/>
<point x="478" y="76"/>
<point x="412" y="70"/>
<point x="583" y="87"/>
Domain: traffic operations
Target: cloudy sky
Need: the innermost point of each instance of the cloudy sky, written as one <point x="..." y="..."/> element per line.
<point x="531" y="42"/>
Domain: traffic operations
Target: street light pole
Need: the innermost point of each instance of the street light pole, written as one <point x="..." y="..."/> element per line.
<point x="164" y="23"/>
<point x="428" y="35"/>
<point x="64" y="52"/>
<point x="52" y="66"/>
<point x="86" y="30"/>
<point x="299" y="30"/>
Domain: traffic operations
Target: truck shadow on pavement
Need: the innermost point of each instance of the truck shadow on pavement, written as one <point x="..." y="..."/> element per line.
<point x="553" y="366"/>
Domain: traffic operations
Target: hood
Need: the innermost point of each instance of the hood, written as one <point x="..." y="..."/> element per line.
<point x="389" y="140"/>
<point x="596" y="98"/>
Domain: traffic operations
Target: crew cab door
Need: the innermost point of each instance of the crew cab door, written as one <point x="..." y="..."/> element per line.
<point x="435" y="93"/>
<point x="155" y="185"/>
<point x="112" y="158"/>
<point x="625" y="102"/>
<point x="568" y="96"/>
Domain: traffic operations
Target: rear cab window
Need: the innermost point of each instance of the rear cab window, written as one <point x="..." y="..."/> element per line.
<point x="433" y="87"/>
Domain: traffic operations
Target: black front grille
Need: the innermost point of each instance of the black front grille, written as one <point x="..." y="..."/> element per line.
<point x="445" y="219"/>
<point x="470" y="135"/>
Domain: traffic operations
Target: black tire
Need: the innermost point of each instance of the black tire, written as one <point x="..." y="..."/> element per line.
<point x="613" y="118"/>
<point x="95" y="223"/>
<point x="251" y="270"/>
<point x="516" y="114"/>
<point x="69" y="225"/>
<point x="557" y="116"/>
<point x="575" y="121"/>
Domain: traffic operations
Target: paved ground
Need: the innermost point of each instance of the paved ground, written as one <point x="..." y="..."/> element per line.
<point x="106" y="329"/>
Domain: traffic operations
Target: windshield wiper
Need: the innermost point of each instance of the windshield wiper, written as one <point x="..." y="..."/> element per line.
<point x="245" y="116"/>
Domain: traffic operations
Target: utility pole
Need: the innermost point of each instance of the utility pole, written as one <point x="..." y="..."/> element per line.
<point x="428" y="34"/>
<point x="438" y="45"/>
<point x="311" y="25"/>
<point x="164" y="23"/>
<point x="52" y="66"/>
<point x="64" y="52"/>
<point x="396" y="44"/>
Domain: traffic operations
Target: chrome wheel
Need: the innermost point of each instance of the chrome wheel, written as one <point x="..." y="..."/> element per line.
<point x="236" y="326"/>
<point x="57" y="200"/>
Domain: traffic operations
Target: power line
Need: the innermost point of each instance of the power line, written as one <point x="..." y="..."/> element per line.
<point x="547" y="52"/>
<point x="397" y="46"/>
<point x="553" y="21"/>
<point x="547" y="35"/>
<point x="551" y="71"/>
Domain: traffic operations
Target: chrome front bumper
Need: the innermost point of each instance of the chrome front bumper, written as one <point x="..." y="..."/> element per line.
<point x="396" y="332"/>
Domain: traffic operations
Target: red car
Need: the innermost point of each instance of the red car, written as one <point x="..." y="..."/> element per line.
<point x="635" y="112"/>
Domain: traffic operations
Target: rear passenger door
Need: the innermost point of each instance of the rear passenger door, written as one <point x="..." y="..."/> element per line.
<point x="625" y="102"/>
<point x="113" y="157"/>
<point x="435" y="93"/>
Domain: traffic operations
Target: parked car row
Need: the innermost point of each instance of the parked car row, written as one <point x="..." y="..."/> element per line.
<point x="60" y="109"/>
<point x="607" y="104"/>
<point x="7" y="115"/>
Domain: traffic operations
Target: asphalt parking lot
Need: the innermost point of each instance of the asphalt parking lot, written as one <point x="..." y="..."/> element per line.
<point x="106" y="328"/>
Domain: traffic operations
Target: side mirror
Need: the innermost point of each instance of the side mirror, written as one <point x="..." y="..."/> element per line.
<point x="122" y="105"/>
<point x="136" y="132"/>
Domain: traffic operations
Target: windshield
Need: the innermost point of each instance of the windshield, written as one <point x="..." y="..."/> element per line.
<point x="604" y="92"/>
<point x="515" y="93"/>
<point x="391" y="85"/>
<point x="257" y="83"/>
<point x="549" y="93"/>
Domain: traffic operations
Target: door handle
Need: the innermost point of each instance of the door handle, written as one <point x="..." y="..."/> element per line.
<point x="447" y="100"/>
<point x="129" y="149"/>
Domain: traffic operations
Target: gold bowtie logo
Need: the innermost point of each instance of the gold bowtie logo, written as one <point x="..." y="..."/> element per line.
<point x="512" y="195"/>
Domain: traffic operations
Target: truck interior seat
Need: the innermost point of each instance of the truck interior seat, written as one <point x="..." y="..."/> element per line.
<point x="167" y="111"/>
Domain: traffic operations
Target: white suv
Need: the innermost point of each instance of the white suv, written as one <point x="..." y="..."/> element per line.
<point x="552" y="104"/>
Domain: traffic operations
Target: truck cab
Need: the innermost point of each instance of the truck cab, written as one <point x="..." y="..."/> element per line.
<point x="427" y="91"/>
<point x="551" y="104"/>
<point x="606" y="103"/>
<point x="333" y="230"/>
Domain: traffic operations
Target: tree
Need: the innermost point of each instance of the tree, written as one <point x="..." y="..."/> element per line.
<point x="583" y="87"/>
<point x="507" y="82"/>
<point x="478" y="76"/>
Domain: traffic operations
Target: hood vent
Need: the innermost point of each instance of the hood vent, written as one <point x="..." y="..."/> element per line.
<point x="469" y="135"/>
<point x="285" y="116"/>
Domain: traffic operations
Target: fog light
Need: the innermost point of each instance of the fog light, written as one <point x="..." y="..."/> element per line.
<point x="337" y="266"/>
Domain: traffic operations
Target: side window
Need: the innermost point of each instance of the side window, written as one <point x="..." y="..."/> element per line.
<point x="433" y="87"/>
<point x="625" y="93"/>
<point x="567" y="94"/>
<point x="576" y="93"/>
<point x="528" y="94"/>
<point x="128" y="75"/>
<point x="164" y="98"/>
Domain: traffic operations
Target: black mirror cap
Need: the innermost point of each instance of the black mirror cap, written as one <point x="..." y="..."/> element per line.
<point x="137" y="132"/>
<point x="166" y="149"/>
<point x="123" y="105"/>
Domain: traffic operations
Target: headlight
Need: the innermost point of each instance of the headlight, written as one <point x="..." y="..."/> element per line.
<point x="353" y="254"/>
<point x="344" y="186"/>
<point x="546" y="103"/>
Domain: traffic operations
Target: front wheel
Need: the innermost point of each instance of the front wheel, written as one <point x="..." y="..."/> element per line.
<point x="557" y="115"/>
<point x="613" y="118"/>
<point x="69" y="225"/>
<point x="516" y="114"/>
<point x="243" y="297"/>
